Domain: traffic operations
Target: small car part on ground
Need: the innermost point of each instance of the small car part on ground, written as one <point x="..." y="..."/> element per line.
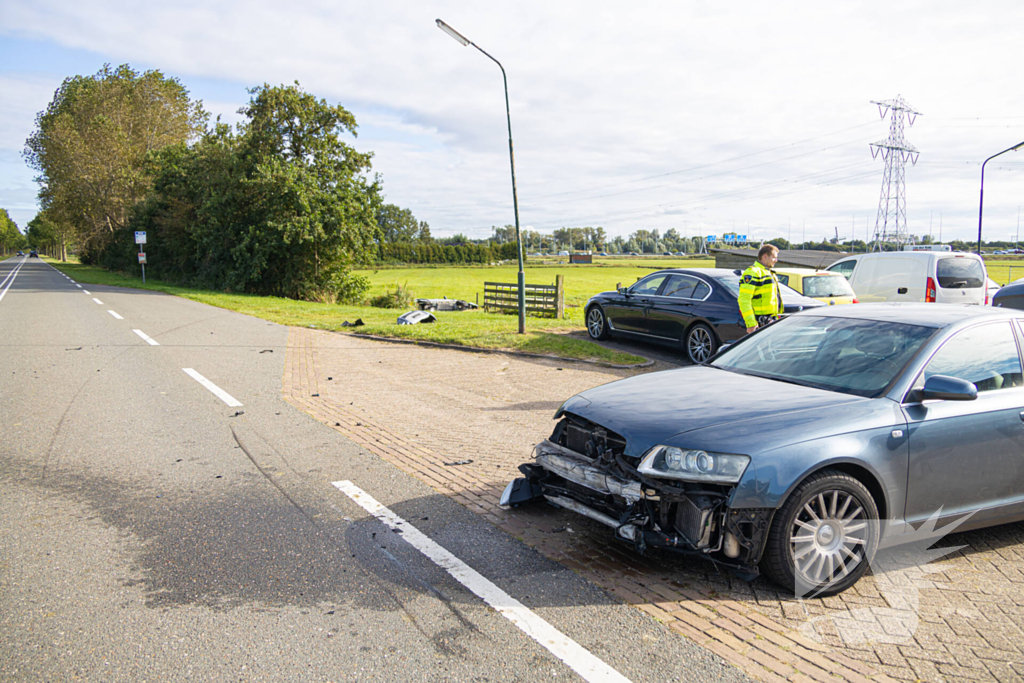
<point x="445" y="304"/>
<point x="784" y="452"/>
<point x="416" y="317"/>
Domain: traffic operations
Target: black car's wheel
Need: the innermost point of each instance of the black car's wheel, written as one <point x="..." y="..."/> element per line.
<point x="823" y="537"/>
<point x="597" y="324"/>
<point x="701" y="343"/>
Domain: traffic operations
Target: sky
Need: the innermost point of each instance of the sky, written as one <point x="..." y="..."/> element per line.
<point x="702" y="116"/>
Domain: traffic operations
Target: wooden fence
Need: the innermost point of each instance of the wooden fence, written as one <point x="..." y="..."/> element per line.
<point x="540" y="299"/>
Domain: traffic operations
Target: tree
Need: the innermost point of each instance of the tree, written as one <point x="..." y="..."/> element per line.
<point x="10" y="237"/>
<point x="283" y="206"/>
<point x="398" y="225"/>
<point x="50" y="233"/>
<point x="90" y="144"/>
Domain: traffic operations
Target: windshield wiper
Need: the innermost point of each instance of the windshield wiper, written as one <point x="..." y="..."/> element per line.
<point x="956" y="284"/>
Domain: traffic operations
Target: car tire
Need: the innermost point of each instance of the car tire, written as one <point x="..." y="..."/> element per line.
<point x="700" y="343"/>
<point x="597" y="324"/>
<point x="829" y="521"/>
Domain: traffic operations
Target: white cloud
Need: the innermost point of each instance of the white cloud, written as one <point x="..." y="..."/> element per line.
<point x="605" y="95"/>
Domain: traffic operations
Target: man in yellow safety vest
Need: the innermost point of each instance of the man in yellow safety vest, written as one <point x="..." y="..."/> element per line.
<point x="760" y="296"/>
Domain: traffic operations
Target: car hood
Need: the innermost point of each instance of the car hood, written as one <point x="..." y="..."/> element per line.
<point x="716" y="404"/>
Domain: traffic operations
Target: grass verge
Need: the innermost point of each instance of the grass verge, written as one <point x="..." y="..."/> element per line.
<point x="468" y="328"/>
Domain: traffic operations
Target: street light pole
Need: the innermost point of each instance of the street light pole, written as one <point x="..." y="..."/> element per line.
<point x="981" y="199"/>
<point x="512" y="161"/>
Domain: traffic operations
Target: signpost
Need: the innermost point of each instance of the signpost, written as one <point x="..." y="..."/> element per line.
<point x="140" y="239"/>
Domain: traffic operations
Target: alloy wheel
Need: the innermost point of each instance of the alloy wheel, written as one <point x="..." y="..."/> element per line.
<point x="829" y="537"/>
<point x="595" y="323"/>
<point x="699" y="345"/>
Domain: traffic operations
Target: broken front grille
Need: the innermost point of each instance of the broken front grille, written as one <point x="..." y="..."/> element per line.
<point x="587" y="438"/>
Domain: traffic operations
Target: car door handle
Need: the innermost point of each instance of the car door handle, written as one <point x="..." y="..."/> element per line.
<point x="901" y="290"/>
<point x="1022" y="417"/>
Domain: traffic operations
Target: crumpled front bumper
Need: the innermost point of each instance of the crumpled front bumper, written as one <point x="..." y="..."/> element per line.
<point x="698" y="524"/>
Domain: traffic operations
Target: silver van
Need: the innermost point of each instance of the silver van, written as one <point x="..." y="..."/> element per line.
<point x="926" y="276"/>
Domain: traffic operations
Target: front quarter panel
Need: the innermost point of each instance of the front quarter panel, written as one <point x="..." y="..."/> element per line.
<point x="876" y="448"/>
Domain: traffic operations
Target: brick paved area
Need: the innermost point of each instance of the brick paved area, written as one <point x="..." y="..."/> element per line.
<point x="426" y="409"/>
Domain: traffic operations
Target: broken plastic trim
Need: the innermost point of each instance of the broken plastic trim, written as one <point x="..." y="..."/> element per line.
<point x="627" y="531"/>
<point x="567" y="464"/>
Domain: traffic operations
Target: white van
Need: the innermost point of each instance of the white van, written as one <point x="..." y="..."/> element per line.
<point x="943" y="277"/>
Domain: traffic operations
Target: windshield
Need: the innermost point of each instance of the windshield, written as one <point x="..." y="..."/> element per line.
<point x="827" y="285"/>
<point x="860" y="357"/>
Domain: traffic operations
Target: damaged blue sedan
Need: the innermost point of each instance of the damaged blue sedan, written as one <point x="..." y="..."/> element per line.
<point x="801" y="449"/>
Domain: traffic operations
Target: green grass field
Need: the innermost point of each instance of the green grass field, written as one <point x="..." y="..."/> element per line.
<point x="562" y="338"/>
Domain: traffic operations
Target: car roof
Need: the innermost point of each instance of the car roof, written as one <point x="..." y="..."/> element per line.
<point x="924" y="314"/>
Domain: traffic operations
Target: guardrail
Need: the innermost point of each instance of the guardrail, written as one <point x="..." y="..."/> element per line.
<point x="544" y="300"/>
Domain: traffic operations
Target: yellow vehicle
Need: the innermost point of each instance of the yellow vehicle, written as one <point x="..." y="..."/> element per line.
<point x="831" y="288"/>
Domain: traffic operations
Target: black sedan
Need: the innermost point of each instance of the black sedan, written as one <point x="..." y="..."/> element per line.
<point x="696" y="308"/>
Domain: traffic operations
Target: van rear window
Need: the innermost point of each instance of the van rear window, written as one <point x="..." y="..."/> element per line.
<point x="960" y="273"/>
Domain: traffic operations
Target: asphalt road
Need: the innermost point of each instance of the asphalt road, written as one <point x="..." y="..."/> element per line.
<point x="150" y="531"/>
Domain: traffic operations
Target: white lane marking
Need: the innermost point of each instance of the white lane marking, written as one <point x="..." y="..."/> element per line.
<point x="149" y="340"/>
<point x="217" y="391"/>
<point x="115" y="315"/>
<point x="79" y="286"/>
<point x="575" y="656"/>
<point x="87" y="292"/>
<point x="97" y="301"/>
<point x="10" y="279"/>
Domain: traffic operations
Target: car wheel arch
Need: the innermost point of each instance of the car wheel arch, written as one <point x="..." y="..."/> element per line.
<point x="856" y="470"/>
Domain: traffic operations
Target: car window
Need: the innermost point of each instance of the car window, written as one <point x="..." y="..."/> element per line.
<point x="783" y="278"/>
<point x="860" y="357"/>
<point x="680" y="287"/>
<point x="958" y="272"/>
<point x="649" y="285"/>
<point x="827" y="285"/>
<point x="702" y="290"/>
<point x="985" y="355"/>
<point x="845" y="268"/>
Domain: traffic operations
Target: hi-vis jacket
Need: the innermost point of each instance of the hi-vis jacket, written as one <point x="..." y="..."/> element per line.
<point x="759" y="294"/>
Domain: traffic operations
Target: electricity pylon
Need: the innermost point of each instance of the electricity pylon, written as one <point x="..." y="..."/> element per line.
<point x="891" y="223"/>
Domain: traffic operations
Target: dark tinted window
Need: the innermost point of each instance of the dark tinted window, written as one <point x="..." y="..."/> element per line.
<point x="985" y="355"/>
<point x="680" y="286"/>
<point x="960" y="273"/>
<point x="859" y="357"/>
<point x="649" y="285"/>
<point x="702" y="290"/>
<point x="783" y="278"/>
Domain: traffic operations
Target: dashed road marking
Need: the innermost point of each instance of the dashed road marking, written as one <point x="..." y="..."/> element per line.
<point x="575" y="656"/>
<point x="87" y="292"/>
<point x="97" y="301"/>
<point x="79" y="286"/>
<point x="217" y="391"/>
<point x="149" y="340"/>
<point x="115" y="315"/>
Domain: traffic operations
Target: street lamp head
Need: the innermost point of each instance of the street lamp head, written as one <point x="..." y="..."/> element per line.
<point x="458" y="36"/>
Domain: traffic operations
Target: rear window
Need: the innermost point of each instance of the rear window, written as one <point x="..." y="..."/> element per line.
<point x="827" y="286"/>
<point x="960" y="273"/>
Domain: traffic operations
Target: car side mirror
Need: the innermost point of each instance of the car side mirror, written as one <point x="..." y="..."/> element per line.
<point x="946" y="388"/>
<point x="623" y="291"/>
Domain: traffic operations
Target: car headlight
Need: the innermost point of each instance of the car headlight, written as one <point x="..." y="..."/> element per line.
<point x="693" y="465"/>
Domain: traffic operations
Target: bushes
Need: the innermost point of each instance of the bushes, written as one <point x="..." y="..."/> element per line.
<point x="399" y="297"/>
<point x="424" y="253"/>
